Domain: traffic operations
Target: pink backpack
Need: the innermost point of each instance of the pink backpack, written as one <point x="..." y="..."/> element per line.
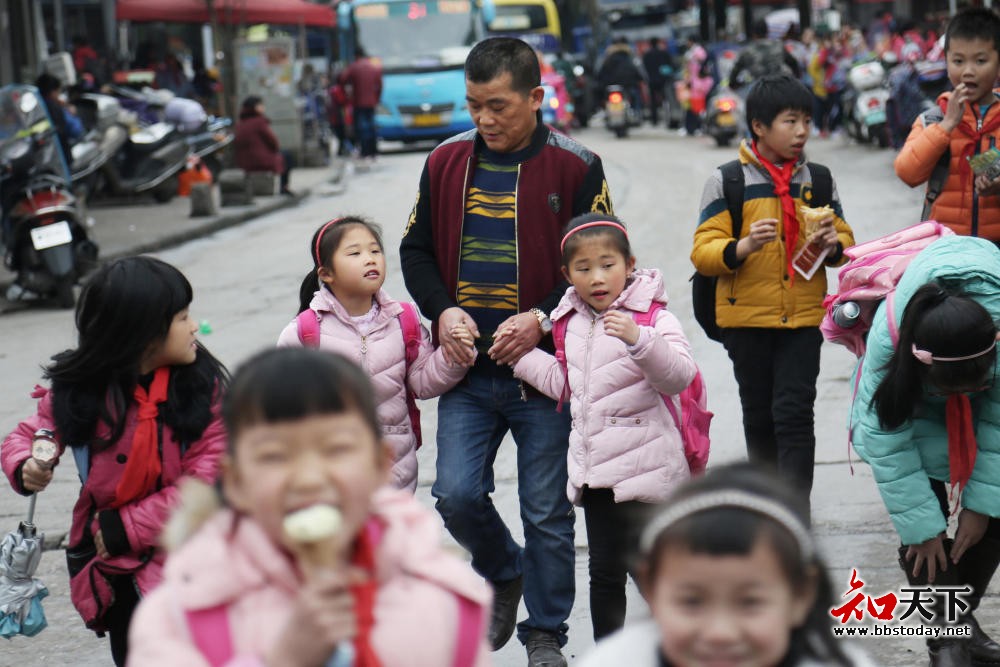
<point x="307" y="323"/>
<point x="871" y="275"/>
<point x="694" y="420"/>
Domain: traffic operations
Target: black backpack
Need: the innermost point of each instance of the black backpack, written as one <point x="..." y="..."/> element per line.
<point x="733" y="185"/>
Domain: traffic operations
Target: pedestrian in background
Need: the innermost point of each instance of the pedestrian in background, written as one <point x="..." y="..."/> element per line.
<point x="769" y="316"/>
<point x="138" y="402"/>
<point x="659" y="66"/>
<point x="699" y="82"/>
<point x="363" y="78"/>
<point x="926" y="417"/>
<point x="481" y="248"/>
<point x="625" y="449"/>
<point x="339" y="116"/>
<point x="256" y="147"/>
<point x="263" y="580"/>
<point x="359" y="320"/>
<point x="966" y="123"/>
<point x="732" y="575"/>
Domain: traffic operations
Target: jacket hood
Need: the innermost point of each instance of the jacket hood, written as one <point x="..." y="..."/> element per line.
<point x="643" y="288"/>
<point x="969" y="263"/>
<point x="230" y="554"/>
<point x="324" y="301"/>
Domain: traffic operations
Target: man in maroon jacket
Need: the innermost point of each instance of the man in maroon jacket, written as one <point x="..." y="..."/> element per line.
<point x="364" y="77"/>
<point x="482" y="249"/>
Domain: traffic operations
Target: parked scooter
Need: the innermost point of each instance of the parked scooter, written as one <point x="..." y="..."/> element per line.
<point x="104" y="123"/>
<point x="46" y="246"/>
<point x="619" y="115"/>
<point x="722" y="115"/>
<point x="864" y="103"/>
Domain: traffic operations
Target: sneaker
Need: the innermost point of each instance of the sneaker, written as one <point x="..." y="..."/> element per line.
<point x="506" y="597"/>
<point x="543" y="650"/>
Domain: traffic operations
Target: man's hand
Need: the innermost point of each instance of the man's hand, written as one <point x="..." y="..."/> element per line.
<point x="453" y="325"/>
<point x="930" y="552"/>
<point x="621" y="326"/>
<point x="514" y="338"/>
<point x="956" y="108"/>
<point x="35" y="476"/>
<point x="761" y="233"/>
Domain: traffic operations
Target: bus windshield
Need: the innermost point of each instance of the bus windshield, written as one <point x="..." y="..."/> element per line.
<point x="428" y="34"/>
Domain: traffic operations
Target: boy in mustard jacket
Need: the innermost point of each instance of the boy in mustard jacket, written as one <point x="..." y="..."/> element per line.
<point x="768" y="314"/>
<point x="966" y="123"/>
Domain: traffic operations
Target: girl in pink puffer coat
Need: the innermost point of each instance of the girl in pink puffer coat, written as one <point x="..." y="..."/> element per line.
<point x="359" y="320"/>
<point x="625" y="451"/>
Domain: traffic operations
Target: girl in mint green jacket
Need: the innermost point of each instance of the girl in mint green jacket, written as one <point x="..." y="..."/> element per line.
<point x="927" y="419"/>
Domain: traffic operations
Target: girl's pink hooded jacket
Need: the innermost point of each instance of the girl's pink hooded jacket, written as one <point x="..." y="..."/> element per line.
<point x="623" y="436"/>
<point x="382" y="355"/>
<point x="231" y="561"/>
<point x="142" y="519"/>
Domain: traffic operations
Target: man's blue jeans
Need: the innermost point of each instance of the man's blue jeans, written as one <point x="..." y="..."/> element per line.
<point x="472" y="420"/>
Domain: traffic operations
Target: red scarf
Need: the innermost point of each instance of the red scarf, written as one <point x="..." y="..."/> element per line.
<point x="143" y="466"/>
<point x="782" y="179"/>
<point x="975" y="141"/>
<point x="961" y="440"/>
<point x="364" y="595"/>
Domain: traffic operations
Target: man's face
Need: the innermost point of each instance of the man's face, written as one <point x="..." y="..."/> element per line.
<point x="504" y="117"/>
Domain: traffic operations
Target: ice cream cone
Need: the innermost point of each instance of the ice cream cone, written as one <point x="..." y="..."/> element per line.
<point x="314" y="536"/>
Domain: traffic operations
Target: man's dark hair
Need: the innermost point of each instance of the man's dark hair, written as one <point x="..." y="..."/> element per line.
<point x="759" y="29"/>
<point x="974" y="23"/>
<point x="773" y="94"/>
<point x="492" y="57"/>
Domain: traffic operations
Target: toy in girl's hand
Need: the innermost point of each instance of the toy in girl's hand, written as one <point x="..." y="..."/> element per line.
<point x="986" y="164"/>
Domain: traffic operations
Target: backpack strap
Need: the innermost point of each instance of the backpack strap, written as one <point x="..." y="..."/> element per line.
<point x="409" y="322"/>
<point x="733" y="185"/>
<point x="209" y="630"/>
<point x="822" y="184"/>
<point x="559" y="339"/>
<point x="935" y="184"/>
<point x="470" y="620"/>
<point x="307" y="323"/>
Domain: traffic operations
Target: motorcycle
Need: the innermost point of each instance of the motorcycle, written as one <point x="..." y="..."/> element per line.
<point x="46" y="246"/>
<point x="557" y="109"/>
<point x="722" y="116"/>
<point x="104" y="136"/>
<point x="864" y="103"/>
<point x="619" y="115"/>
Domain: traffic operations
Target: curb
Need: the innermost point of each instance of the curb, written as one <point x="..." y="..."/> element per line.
<point x="224" y="221"/>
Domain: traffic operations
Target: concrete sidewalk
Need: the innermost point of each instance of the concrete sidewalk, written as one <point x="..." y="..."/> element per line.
<point x="140" y="225"/>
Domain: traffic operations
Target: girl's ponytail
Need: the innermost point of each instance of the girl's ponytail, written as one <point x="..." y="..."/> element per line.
<point x="309" y="286"/>
<point x="953" y="336"/>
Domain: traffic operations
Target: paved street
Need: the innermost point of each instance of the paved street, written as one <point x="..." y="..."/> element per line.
<point x="246" y="281"/>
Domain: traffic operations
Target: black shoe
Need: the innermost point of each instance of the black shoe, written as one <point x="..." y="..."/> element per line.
<point x="506" y="597"/>
<point x="543" y="650"/>
<point x="949" y="653"/>
<point x="983" y="650"/>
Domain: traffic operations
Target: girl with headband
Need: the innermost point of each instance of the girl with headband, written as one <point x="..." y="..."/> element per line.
<point x="625" y="450"/>
<point x="355" y="317"/>
<point x="926" y="417"/>
<point x="731" y="575"/>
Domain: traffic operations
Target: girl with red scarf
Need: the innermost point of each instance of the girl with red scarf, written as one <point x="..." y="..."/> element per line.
<point x="926" y="417"/>
<point x="367" y="585"/>
<point x="137" y="402"/>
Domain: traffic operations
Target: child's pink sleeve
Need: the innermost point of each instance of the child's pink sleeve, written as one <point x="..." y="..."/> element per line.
<point x="663" y="354"/>
<point x="431" y="374"/>
<point x="543" y="372"/>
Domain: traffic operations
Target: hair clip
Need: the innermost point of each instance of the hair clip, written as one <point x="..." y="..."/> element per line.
<point x="923" y="356"/>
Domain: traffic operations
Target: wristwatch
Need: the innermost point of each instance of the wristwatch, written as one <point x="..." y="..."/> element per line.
<point x="544" y="323"/>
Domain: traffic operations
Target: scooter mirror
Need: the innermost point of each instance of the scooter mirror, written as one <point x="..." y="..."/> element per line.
<point x="28" y="102"/>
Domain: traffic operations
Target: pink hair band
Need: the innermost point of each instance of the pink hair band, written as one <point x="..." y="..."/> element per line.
<point x="319" y="239"/>
<point x="589" y="225"/>
<point x="925" y="357"/>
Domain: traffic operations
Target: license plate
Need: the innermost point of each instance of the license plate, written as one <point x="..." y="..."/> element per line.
<point x="875" y="117"/>
<point x="726" y="119"/>
<point x="616" y="107"/>
<point x="48" y="236"/>
<point x="426" y="120"/>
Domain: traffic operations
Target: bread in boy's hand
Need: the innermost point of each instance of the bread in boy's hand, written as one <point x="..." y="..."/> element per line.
<point x="814" y="217"/>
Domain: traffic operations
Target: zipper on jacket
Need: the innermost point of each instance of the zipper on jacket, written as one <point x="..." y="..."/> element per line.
<point x="517" y="264"/>
<point x="364" y="350"/>
<point x="586" y="389"/>
<point x="975" y="195"/>
<point x="461" y="230"/>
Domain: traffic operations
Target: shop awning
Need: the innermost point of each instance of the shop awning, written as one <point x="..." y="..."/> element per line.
<point x="281" y="12"/>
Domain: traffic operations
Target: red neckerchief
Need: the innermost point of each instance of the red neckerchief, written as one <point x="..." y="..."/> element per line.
<point x="143" y="466"/>
<point x="782" y="179"/>
<point x="975" y="140"/>
<point x="364" y="595"/>
<point x="961" y="440"/>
